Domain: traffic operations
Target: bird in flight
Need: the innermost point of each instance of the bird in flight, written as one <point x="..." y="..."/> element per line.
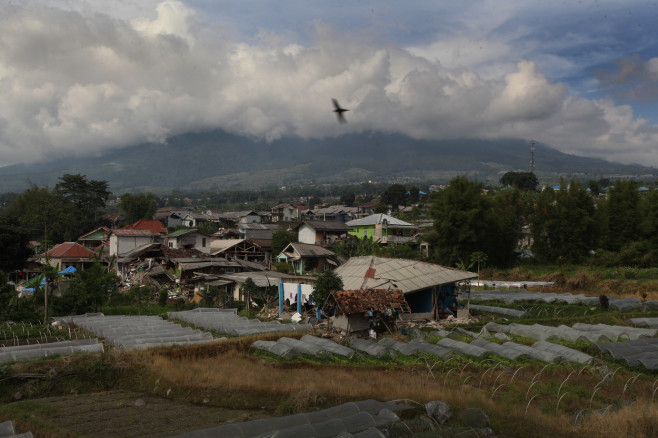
<point x="339" y="111"/>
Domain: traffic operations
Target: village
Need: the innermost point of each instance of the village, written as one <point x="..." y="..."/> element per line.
<point x="170" y="253"/>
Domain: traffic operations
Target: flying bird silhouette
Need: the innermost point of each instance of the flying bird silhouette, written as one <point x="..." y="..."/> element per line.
<point x="339" y="111"/>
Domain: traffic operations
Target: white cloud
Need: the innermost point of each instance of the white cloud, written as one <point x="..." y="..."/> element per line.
<point x="75" y="82"/>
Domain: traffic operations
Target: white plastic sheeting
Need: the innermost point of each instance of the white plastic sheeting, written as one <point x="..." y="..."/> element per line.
<point x="24" y="352"/>
<point x="288" y="348"/>
<point x="227" y="321"/>
<point x="512" y="313"/>
<point x="7" y="431"/>
<point x="512" y="351"/>
<point x="140" y="332"/>
<point x="514" y="296"/>
<point x="579" y="332"/>
<point x="569" y="354"/>
<point x="637" y="352"/>
<point x="352" y="418"/>
<point x="370" y="347"/>
<point x="644" y="322"/>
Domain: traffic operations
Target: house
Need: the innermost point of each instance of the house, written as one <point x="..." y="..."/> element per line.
<point x="185" y="238"/>
<point x="321" y="232"/>
<point x="383" y="228"/>
<point x="285" y="213"/>
<point x="235" y="218"/>
<point x="256" y="230"/>
<point x="122" y="241"/>
<point x="152" y="225"/>
<point x="241" y="249"/>
<point x="262" y="279"/>
<point x="334" y="213"/>
<point x="171" y="217"/>
<point x="68" y="254"/>
<point x="427" y="287"/>
<point x="305" y="258"/>
<point x="360" y="310"/>
<point x="367" y="208"/>
<point x="95" y="238"/>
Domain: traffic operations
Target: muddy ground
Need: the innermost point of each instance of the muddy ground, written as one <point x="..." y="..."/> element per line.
<point x="125" y="414"/>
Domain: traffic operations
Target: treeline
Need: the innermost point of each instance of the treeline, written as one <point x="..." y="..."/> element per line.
<point x="571" y="224"/>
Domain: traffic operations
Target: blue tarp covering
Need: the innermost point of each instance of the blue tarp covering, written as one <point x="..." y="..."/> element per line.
<point x="69" y="270"/>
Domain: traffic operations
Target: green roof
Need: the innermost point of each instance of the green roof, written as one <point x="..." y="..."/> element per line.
<point x="181" y="232"/>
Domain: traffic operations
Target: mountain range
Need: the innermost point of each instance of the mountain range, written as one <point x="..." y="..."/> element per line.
<point x="218" y="160"/>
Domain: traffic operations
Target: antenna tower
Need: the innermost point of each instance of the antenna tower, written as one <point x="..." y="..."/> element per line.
<point x="532" y="156"/>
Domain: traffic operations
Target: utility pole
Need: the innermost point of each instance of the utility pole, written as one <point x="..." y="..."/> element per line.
<point x="532" y="156"/>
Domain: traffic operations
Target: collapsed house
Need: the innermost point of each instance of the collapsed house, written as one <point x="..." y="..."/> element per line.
<point x="359" y="310"/>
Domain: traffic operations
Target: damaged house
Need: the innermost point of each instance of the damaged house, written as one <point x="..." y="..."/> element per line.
<point x="427" y="287"/>
<point x="360" y="310"/>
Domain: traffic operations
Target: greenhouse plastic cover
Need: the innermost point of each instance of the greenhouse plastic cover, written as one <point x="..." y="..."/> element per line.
<point x="7" y="431"/>
<point x="227" y="321"/>
<point x="23" y="352"/>
<point x="644" y="322"/>
<point x="353" y="417"/>
<point x="513" y="313"/>
<point x="638" y="352"/>
<point x="513" y="296"/>
<point x="140" y="332"/>
<point x="579" y="332"/>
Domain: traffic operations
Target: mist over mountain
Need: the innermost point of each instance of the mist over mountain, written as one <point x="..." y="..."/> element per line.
<point x="220" y="161"/>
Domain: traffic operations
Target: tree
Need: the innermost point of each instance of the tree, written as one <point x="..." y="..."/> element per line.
<point x="43" y="215"/>
<point x="348" y="199"/>
<point x="138" y="207"/>
<point x="414" y="195"/>
<point x="280" y="240"/>
<point x="624" y="219"/>
<point x="249" y="291"/>
<point x="326" y="283"/>
<point x="395" y="196"/>
<point x="563" y="224"/>
<point x="480" y="259"/>
<point x="466" y="221"/>
<point x="87" y="197"/>
<point x="14" y="244"/>
<point x="89" y="290"/>
<point x="520" y="180"/>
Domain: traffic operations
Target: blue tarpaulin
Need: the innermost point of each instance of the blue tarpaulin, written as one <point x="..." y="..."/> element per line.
<point x="69" y="270"/>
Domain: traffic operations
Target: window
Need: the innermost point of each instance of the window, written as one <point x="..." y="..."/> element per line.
<point x="203" y="242"/>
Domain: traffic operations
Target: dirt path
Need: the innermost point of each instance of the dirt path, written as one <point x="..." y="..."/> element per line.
<point x="118" y="414"/>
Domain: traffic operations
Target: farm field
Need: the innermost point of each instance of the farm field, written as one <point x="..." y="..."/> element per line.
<point x="172" y="390"/>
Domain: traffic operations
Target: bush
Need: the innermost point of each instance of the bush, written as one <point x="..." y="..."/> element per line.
<point x="163" y="296"/>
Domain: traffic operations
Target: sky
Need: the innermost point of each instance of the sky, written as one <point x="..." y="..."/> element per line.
<point x="80" y="77"/>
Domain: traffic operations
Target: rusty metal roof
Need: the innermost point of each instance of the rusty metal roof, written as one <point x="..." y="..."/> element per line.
<point x="406" y="275"/>
<point x="359" y="301"/>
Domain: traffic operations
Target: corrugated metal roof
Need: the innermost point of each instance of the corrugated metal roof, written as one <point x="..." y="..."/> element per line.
<point x="261" y="278"/>
<point x="379" y="218"/>
<point x="308" y="250"/>
<point x="403" y="274"/>
<point x="220" y="245"/>
<point x="324" y="225"/>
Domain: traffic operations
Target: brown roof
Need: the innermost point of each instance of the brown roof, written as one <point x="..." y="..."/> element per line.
<point x="128" y="232"/>
<point x="154" y="226"/>
<point x="70" y="250"/>
<point x="359" y="301"/>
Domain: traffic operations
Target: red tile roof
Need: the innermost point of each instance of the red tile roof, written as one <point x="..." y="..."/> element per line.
<point x="154" y="226"/>
<point x="70" y="250"/>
